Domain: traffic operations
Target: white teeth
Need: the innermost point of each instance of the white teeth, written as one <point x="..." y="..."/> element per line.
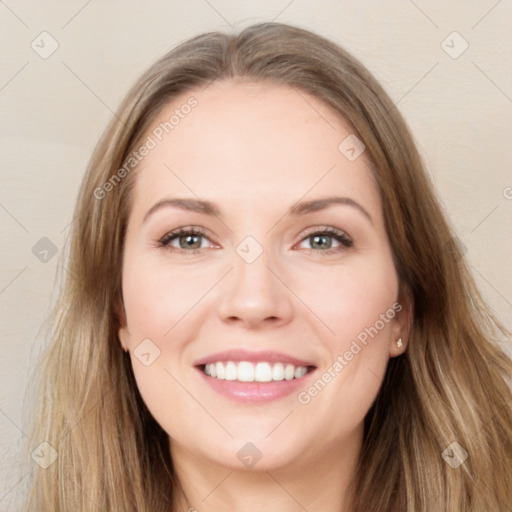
<point x="289" y="372"/>
<point x="300" y="371"/>
<point x="263" y="372"/>
<point x="278" y="371"/>
<point x="219" y="367"/>
<point x="231" y="371"/>
<point x="245" y="371"/>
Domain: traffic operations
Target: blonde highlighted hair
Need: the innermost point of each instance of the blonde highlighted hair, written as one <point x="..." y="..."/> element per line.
<point x="449" y="386"/>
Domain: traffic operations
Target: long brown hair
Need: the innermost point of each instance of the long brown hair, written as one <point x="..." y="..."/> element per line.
<point x="450" y="386"/>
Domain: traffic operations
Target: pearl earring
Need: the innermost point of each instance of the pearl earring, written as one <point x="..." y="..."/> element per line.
<point x="399" y="343"/>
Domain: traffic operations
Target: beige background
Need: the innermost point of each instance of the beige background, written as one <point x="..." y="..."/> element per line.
<point x="54" y="109"/>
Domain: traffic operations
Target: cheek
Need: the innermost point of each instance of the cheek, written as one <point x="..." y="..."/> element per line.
<point x="159" y="303"/>
<point x="163" y="391"/>
<point x="349" y="299"/>
<point x="158" y="296"/>
<point x="357" y="303"/>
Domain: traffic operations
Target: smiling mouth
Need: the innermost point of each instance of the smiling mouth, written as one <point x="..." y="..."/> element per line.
<point x="245" y="371"/>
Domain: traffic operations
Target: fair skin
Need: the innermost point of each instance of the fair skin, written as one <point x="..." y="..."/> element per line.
<point x="255" y="150"/>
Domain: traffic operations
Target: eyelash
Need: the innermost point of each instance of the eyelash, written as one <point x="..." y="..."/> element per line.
<point x="340" y="236"/>
<point x="172" y="235"/>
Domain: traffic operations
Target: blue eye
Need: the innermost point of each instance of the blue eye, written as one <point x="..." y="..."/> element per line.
<point x="189" y="240"/>
<point x="325" y="240"/>
<point x="192" y="240"/>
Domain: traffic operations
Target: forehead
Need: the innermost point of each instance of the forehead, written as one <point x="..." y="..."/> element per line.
<point x="246" y="142"/>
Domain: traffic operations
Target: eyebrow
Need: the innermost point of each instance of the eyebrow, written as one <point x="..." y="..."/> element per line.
<point x="296" y="210"/>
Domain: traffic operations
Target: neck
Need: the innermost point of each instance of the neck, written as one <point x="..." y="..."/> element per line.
<point x="318" y="481"/>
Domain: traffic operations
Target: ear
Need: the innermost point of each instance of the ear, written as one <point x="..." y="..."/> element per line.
<point x="122" y="333"/>
<point x="404" y="312"/>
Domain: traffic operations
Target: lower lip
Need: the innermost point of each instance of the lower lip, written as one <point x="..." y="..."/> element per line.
<point x="255" y="392"/>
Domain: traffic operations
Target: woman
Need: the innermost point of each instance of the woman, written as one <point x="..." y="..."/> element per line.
<point x="265" y="307"/>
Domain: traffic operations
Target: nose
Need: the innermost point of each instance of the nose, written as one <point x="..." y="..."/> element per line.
<point x="255" y="294"/>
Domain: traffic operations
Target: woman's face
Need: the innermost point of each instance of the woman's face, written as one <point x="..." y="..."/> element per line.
<point x="273" y="280"/>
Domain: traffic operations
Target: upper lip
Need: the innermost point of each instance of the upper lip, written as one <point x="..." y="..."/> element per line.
<point x="237" y="355"/>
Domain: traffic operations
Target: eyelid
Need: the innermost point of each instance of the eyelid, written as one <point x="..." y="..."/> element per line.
<point x="341" y="236"/>
<point x="185" y="230"/>
<point x="331" y="230"/>
<point x="322" y="229"/>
